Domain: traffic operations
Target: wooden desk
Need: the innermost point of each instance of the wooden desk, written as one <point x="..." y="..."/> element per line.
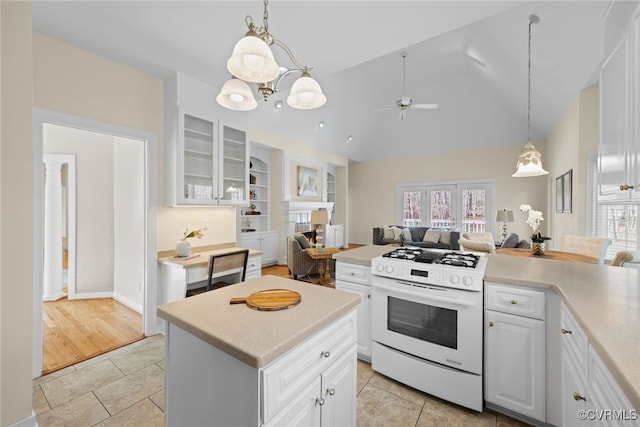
<point x="324" y="266"/>
<point x="557" y="255"/>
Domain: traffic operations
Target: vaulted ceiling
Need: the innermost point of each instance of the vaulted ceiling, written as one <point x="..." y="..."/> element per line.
<point x="470" y="57"/>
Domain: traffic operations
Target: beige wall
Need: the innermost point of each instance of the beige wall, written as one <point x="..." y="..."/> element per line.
<point x="16" y="226"/>
<point x="372" y="185"/>
<point x="575" y="135"/>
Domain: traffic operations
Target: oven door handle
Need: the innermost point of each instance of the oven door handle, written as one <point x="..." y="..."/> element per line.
<point x="455" y="301"/>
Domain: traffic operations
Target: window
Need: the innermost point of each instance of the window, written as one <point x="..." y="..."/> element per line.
<point x="461" y="205"/>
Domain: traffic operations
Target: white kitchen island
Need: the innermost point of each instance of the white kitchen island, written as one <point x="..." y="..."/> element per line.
<point x="229" y="365"/>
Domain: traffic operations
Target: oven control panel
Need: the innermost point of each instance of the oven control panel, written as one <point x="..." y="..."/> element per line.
<point x="431" y="274"/>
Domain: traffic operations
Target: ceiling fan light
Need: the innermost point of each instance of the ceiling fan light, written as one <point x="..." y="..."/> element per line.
<point x="252" y="61"/>
<point x="236" y="95"/>
<point x="529" y="163"/>
<point x="306" y="94"/>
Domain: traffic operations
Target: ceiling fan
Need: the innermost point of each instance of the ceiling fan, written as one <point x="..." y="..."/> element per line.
<point x="405" y="103"/>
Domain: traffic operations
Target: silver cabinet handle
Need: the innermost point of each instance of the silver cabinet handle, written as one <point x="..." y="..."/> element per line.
<point x="564" y="331"/>
<point x="369" y="296"/>
<point x="326" y="354"/>
<point x="578" y="396"/>
<point x="320" y="401"/>
<point x="331" y="391"/>
<point x="491" y="324"/>
<point x="514" y="301"/>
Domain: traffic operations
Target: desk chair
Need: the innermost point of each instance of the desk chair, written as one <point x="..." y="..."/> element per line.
<point x="227" y="263"/>
<point x="591" y="246"/>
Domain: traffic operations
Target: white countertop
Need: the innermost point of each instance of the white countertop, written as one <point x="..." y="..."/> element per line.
<point x="363" y="254"/>
<point x="604" y="300"/>
<point x="258" y="337"/>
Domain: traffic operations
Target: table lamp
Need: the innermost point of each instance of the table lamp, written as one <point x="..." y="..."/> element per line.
<point x="318" y="219"/>
<point x="504" y="216"/>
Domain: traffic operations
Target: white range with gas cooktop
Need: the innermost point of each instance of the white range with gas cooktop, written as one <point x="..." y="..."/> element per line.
<point x="427" y="331"/>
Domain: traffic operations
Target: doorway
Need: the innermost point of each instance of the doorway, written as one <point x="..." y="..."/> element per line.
<point x="145" y="282"/>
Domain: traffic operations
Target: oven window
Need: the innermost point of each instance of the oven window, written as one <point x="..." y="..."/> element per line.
<point x="429" y="323"/>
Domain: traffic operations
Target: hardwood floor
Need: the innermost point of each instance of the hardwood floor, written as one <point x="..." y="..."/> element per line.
<point x="77" y="330"/>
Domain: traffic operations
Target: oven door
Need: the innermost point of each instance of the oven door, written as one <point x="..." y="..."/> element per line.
<point x="441" y="325"/>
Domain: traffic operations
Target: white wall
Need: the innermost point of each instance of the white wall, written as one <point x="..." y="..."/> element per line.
<point x="16" y="213"/>
<point x="372" y="185"/>
<point x="128" y="226"/>
<point x="94" y="203"/>
<point x="172" y="222"/>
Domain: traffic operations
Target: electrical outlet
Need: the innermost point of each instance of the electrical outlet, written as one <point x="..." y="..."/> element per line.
<point x="205" y="224"/>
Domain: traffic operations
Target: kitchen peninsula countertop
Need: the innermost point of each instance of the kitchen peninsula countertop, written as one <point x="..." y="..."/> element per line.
<point x="604" y="300"/>
<point x="363" y="254"/>
<point x="258" y="337"/>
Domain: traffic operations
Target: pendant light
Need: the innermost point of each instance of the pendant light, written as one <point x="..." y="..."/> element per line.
<point x="530" y="160"/>
<point x="252" y="61"/>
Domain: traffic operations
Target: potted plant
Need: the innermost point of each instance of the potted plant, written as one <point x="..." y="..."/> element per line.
<point x="537" y="239"/>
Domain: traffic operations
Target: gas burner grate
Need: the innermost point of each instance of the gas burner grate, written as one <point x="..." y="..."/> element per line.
<point x="459" y="260"/>
<point x="404" y="253"/>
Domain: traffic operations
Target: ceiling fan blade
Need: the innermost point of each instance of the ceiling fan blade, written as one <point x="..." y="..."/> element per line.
<point x="385" y="109"/>
<point x="402" y="113"/>
<point x="424" y="106"/>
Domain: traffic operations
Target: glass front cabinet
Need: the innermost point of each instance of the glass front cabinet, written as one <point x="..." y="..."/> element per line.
<point x="210" y="159"/>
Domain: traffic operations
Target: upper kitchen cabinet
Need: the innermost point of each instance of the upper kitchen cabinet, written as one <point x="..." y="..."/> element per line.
<point x="206" y="158"/>
<point x="619" y="149"/>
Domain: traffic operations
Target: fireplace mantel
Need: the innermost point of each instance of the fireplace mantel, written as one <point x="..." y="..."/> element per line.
<point x="291" y="209"/>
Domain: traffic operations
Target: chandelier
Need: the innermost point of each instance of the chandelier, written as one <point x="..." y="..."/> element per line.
<point x="252" y="61"/>
<point x="530" y="160"/>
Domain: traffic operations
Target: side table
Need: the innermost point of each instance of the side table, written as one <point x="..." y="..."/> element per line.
<point x="323" y="256"/>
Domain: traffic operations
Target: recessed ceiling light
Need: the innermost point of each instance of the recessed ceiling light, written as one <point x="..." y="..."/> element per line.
<point x="350" y="138"/>
<point x="278" y="104"/>
<point x="321" y="124"/>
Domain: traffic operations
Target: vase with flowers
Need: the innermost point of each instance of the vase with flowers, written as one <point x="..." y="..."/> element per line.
<point x="183" y="248"/>
<point x="537" y="239"/>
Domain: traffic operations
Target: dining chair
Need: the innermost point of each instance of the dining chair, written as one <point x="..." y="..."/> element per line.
<point x="478" y="242"/>
<point x="591" y="246"/>
<point x="629" y="259"/>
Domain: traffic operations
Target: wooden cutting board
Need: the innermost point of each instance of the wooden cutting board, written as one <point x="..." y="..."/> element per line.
<point x="270" y="300"/>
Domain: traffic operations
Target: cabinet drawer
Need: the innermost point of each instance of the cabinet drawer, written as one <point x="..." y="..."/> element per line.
<point x="575" y="344"/>
<point x="289" y="375"/>
<point x="353" y="272"/>
<point x="519" y="301"/>
<point x="199" y="274"/>
<point x="254" y="263"/>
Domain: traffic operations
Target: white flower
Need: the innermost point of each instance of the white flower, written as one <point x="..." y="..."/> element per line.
<point x="525" y="208"/>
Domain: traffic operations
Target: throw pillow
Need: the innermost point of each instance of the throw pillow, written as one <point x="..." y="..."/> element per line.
<point x="405" y="235"/>
<point x="432" y="235"/>
<point x="304" y="243"/>
<point x="396" y="233"/>
<point x="387" y="232"/>
<point x="445" y="237"/>
<point x="511" y="241"/>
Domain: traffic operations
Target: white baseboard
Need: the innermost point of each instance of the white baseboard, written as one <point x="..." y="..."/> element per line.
<point x="91" y="295"/>
<point x="27" y="422"/>
<point x="128" y="302"/>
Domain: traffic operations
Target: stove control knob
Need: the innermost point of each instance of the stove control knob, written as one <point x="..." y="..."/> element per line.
<point x="380" y="268"/>
<point x="467" y="280"/>
<point x="454" y="279"/>
<point x="389" y="269"/>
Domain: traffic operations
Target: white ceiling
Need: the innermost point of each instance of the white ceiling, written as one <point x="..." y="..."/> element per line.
<point x="469" y="57"/>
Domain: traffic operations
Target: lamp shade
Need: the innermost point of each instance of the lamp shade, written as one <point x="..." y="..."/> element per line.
<point x="252" y="61"/>
<point x="306" y="94"/>
<point x="319" y="217"/>
<point x="236" y="95"/>
<point x="504" y="216"/>
<point x="529" y="163"/>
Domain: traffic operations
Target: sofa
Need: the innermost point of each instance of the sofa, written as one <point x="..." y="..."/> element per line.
<point x="416" y="236"/>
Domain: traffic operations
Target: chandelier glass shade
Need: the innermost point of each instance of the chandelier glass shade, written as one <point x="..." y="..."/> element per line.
<point x="529" y="161"/>
<point x="252" y="61"/>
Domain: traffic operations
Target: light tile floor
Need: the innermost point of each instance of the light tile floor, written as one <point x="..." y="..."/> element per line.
<point x="125" y="387"/>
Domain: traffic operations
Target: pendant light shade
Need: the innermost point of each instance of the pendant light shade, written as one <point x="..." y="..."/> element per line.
<point x="236" y="95"/>
<point x="252" y="61"/>
<point x="306" y="94"/>
<point x="529" y="163"/>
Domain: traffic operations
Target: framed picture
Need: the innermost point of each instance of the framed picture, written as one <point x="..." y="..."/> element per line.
<point x="308" y="182"/>
<point x="559" y="193"/>
<point x="567" y="180"/>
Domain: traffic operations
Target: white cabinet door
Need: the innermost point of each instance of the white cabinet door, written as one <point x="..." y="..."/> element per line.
<point x="303" y="411"/>
<point x="269" y="248"/>
<point x="363" y="312"/>
<point x="573" y="394"/>
<point x="339" y="392"/>
<point x="233" y="163"/>
<point x="614" y="160"/>
<point x="514" y="363"/>
<point x="250" y="241"/>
